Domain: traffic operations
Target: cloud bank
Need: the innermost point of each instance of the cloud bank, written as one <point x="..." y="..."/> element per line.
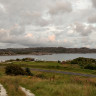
<point x="32" y="23"/>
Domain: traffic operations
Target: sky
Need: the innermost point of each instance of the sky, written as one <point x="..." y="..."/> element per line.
<point x="47" y="23"/>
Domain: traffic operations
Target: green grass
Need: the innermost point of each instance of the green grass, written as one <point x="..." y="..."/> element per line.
<point x="52" y="65"/>
<point x="50" y="85"/>
<point x="60" y="85"/>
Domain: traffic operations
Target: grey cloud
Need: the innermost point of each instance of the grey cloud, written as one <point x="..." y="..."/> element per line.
<point x="94" y="3"/>
<point x="24" y="12"/>
<point x="92" y="19"/>
<point x="21" y="13"/>
<point x="30" y="42"/>
<point x="83" y="30"/>
<point x="60" y="7"/>
<point x="17" y="30"/>
<point x="17" y="15"/>
<point x="86" y="40"/>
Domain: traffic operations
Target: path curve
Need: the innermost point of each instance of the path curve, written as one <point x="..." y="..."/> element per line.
<point x="26" y="91"/>
<point x="63" y="72"/>
<point x="2" y="91"/>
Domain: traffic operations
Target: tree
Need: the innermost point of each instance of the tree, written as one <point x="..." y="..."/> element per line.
<point x="14" y="70"/>
<point x="28" y="72"/>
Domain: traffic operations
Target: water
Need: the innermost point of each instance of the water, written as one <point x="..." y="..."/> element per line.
<point x="54" y="57"/>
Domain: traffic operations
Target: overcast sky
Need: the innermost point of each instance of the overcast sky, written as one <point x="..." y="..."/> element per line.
<point x="45" y="23"/>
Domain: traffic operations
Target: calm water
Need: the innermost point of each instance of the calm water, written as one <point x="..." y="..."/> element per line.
<point x="54" y="57"/>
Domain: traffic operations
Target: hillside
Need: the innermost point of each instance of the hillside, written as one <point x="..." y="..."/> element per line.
<point x="45" y="50"/>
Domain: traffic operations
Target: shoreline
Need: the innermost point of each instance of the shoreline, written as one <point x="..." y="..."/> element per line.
<point x="44" y="54"/>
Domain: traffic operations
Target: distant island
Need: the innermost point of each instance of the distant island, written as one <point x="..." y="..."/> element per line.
<point x="44" y="51"/>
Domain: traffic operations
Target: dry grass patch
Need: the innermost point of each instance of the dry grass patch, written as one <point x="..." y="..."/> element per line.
<point x="12" y="86"/>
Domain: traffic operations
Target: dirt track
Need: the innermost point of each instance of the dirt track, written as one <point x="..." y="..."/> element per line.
<point x="2" y="91"/>
<point x="63" y="72"/>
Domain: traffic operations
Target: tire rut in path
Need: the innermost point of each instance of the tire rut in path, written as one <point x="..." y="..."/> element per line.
<point x="2" y="91"/>
<point x="26" y="91"/>
<point x="63" y="72"/>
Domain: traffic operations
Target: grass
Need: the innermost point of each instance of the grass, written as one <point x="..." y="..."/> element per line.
<point x="60" y="85"/>
<point x="51" y="65"/>
<point x="49" y="84"/>
<point x="11" y="84"/>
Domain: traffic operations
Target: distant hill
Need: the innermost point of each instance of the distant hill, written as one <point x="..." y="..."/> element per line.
<point x="45" y="50"/>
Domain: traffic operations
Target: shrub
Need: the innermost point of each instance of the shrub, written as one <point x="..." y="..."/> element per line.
<point x="11" y="60"/>
<point x="28" y="72"/>
<point x="41" y="76"/>
<point x="28" y="59"/>
<point x="90" y="66"/>
<point x="83" y="61"/>
<point x="14" y="70"/>
<point x="59" y="61"/>
<point x="18" y="59"/>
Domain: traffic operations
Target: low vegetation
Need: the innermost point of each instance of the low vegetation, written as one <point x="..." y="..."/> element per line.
<point x="17" y="70"/>
<point x="80" y="65"/>
<point x="48" y="84"/>
<point x="24" y="59"/>
<point x="28" y="72"/>
<point x="86" y="63"/>
<point x="14" y="70"/>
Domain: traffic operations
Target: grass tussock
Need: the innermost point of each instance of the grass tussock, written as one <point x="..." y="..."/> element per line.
<point x="61" y="87"/>
<point x="47" y="84"/>
<point x="11" y="85"/>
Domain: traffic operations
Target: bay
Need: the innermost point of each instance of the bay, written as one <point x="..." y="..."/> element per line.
<point x="53" y="57"/>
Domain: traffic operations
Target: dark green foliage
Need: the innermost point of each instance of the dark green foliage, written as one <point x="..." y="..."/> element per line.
<point x="14" y="70"/>
<point x="18" y="59"/>
<point x="11" y="60"/>
<point x="90" y="66"/>
<point x="28" y="72"/>
<point x="59" y="61"/>
<point x="24" y="59"/>
<point x="28" y="59"/>
<point x="86" y="63"/>
<point x="82" y="61"/>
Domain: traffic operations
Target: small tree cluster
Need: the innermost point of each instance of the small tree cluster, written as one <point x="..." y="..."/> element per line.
<point x="86" y="63"/>
<point x="59" y="61"/>
<point x="17" y="70"/>
<point x="14" y="70"/>
<point x="28" y="72"/>
<point x="28" y="59"/>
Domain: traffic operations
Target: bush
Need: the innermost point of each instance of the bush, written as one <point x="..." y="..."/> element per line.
<point x="14" y="70"/>
<point x="41" y="76"/>
<point x="28" y="72"/>
<point x="28" y="59"/>
<point x="59" y="61"/>
<point x="18" y="59"/>
<point x="89" y="66"/>
<point x="83" y="61"/>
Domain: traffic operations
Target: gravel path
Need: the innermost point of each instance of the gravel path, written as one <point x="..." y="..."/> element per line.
<point x="63" y="72"/>
<point x="27" y="92"/>
<point x="2" y="91"/>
